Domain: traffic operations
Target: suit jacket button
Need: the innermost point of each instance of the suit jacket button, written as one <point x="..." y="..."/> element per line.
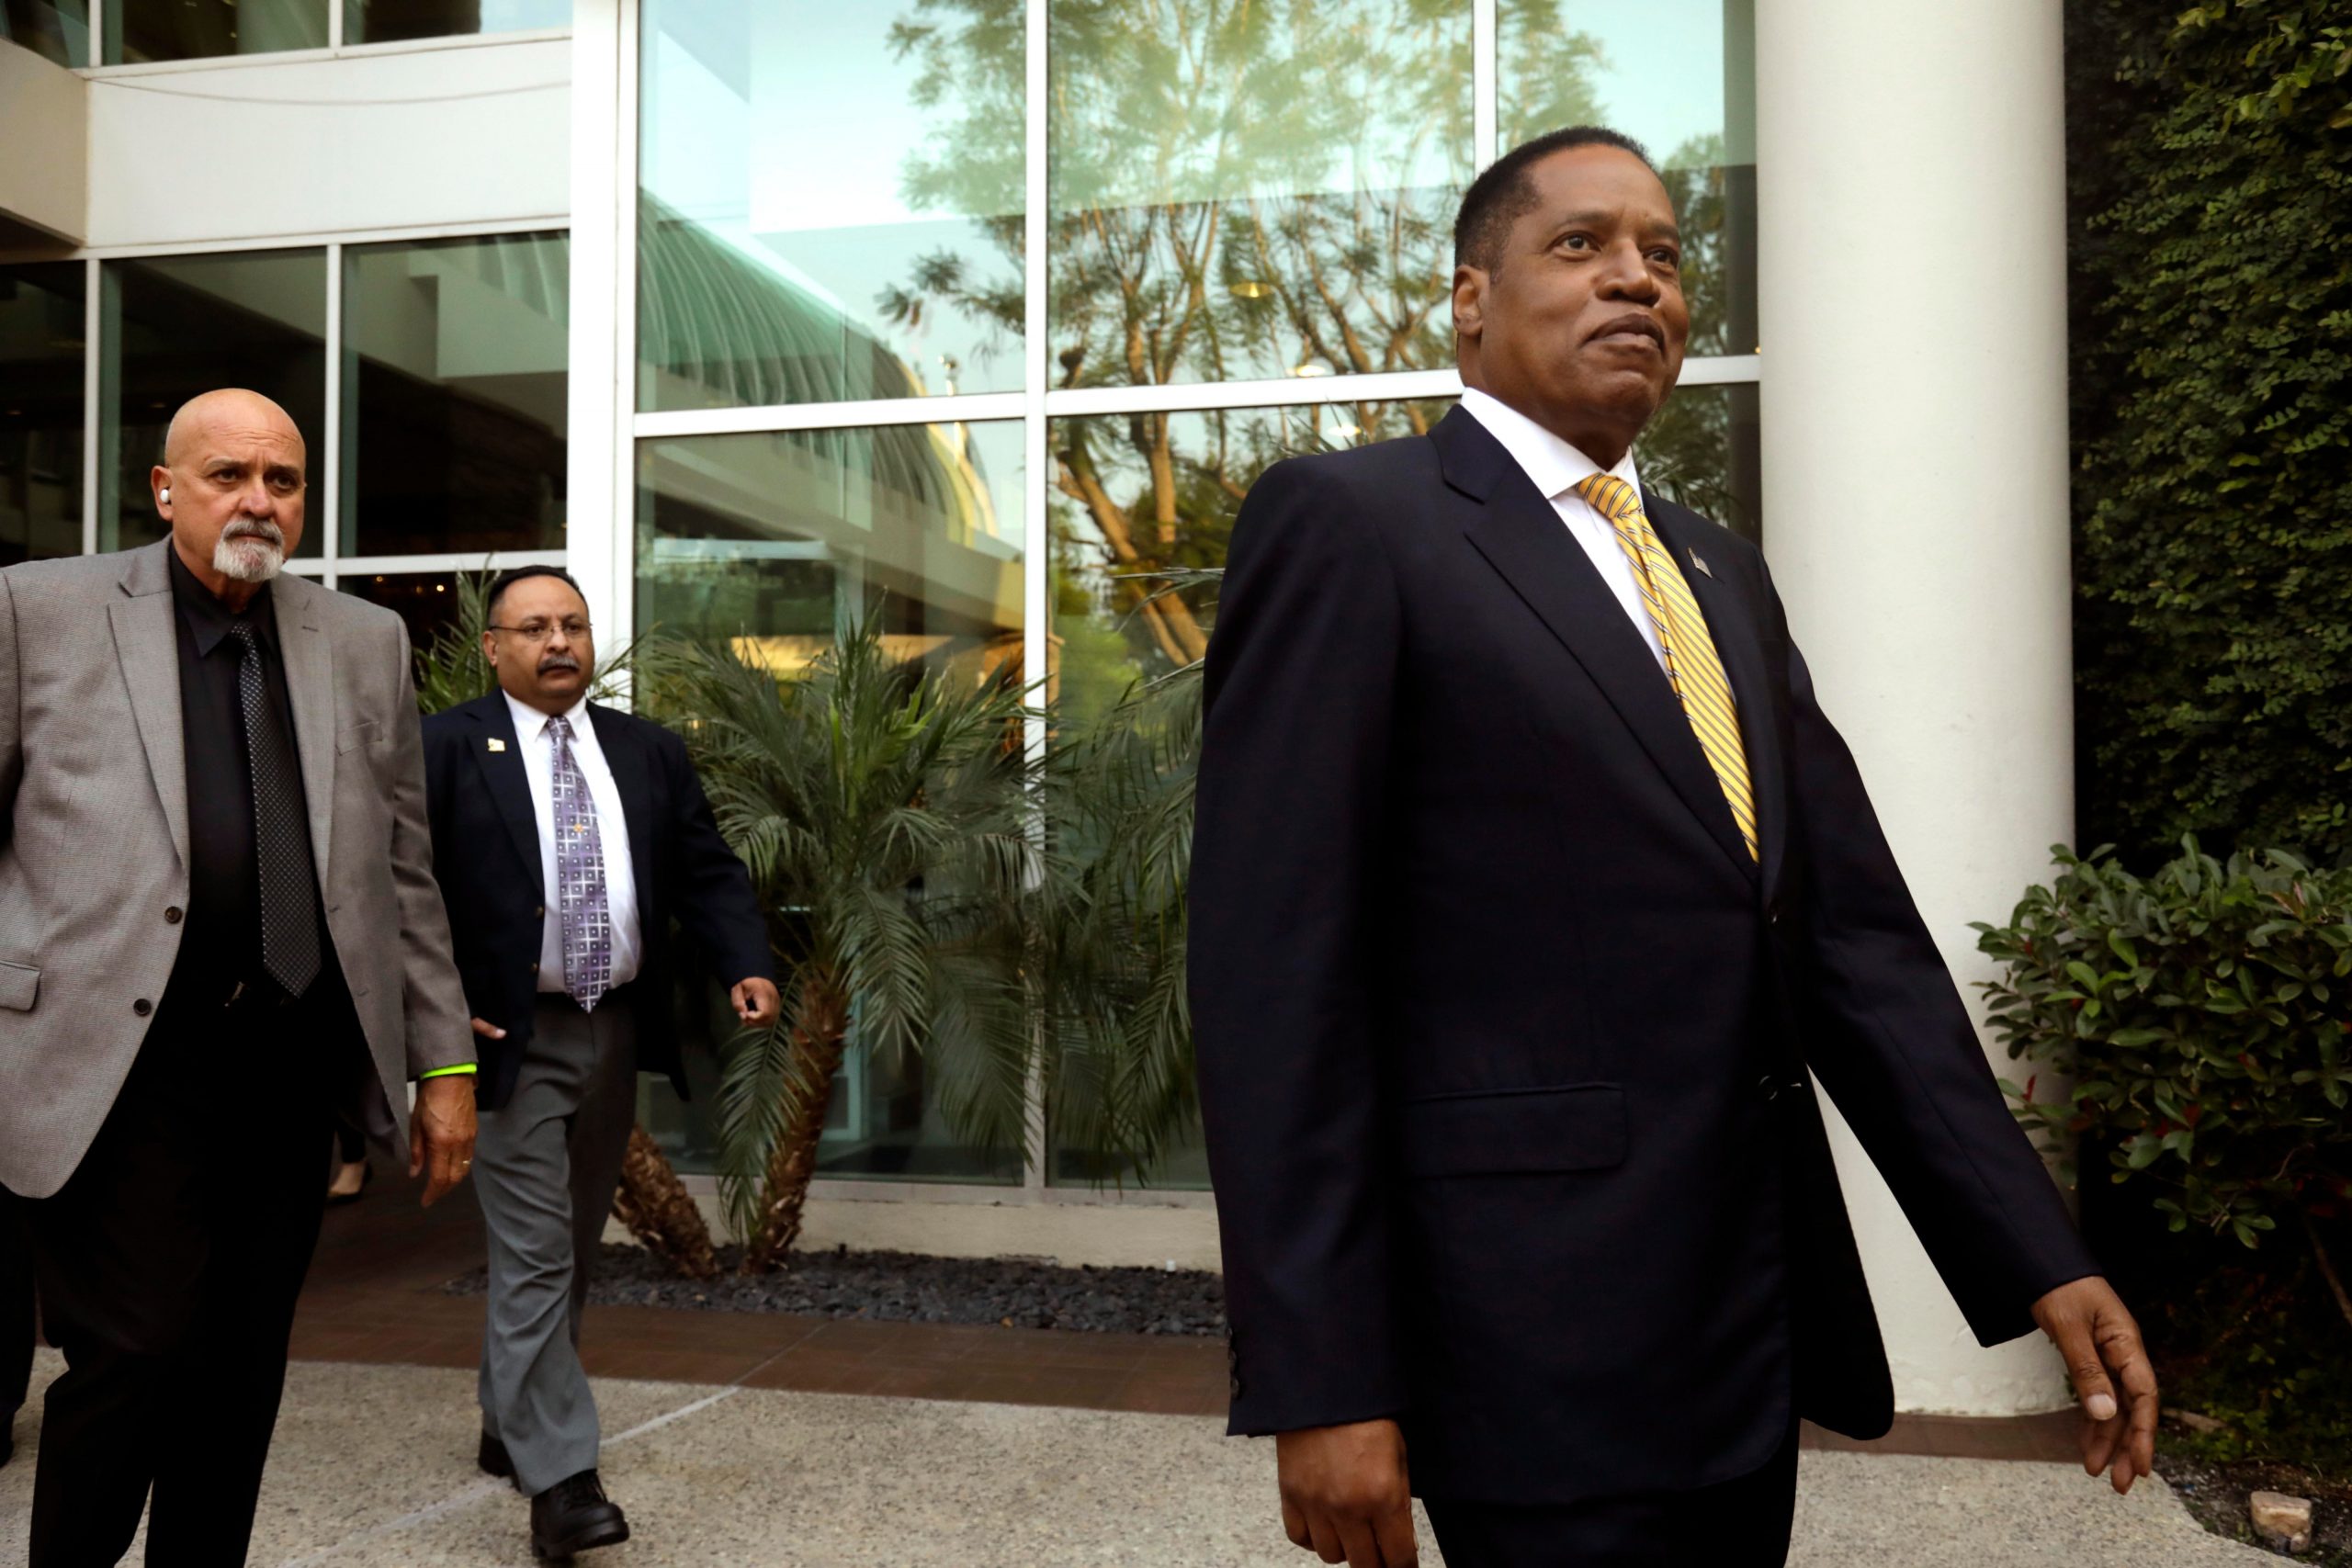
<point x="172" y="916"/>
<point x="1768" y="1087"/>
<point x="535" y="968"/>
<point x="1236" y="1386"/>
<point x="143" y="1006"/>
<point x="539" y="911"/>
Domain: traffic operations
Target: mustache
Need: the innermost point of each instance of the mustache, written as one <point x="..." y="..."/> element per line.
<point x="558" y="661"/>
<point x="255" y="528"/>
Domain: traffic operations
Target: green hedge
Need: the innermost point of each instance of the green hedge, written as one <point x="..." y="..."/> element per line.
<point x="2211" y="187"/>
<point x="2200" y="1018"/>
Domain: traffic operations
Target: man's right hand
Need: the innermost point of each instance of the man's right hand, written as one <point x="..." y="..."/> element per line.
<point x="1345" y="1498"/>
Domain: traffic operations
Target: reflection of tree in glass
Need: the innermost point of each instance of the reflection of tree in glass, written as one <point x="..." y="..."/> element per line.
<point x="1241" y="190"/>
<point x="1544" y="71"/>
<point x="1689" y="454"/>
<point x="1116" y="623"/>
<point x="1695" y="179"/>
<point x="971" y="58"/>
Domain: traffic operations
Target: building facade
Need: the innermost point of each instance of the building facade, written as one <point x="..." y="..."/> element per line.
<point x="979" y="315"/>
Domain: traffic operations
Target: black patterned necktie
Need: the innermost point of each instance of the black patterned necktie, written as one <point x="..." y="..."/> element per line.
<point x="289" y="913"/>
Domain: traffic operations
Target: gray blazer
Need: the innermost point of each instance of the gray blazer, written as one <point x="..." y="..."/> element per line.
<point x="94" y="853"/>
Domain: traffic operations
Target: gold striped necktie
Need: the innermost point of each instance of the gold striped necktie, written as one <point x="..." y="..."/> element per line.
<point x="1692" y="663"/>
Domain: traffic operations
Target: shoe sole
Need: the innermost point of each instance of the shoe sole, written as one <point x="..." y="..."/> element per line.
<point x="611" y="1534"/>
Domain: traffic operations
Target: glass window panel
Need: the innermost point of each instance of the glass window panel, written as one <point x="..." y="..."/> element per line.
<point x="1135" y="495"/>
<point x="41" y="317"/>
<point x="57" y="30"/>
<point x="1678" y="76"/>
<point x="1703" y="450"/>
<point x="1248" y="191"/>
<point x="829" y="201"/>
<point x="175" y="326"/>
<point x="139" y="30"/>
<point x="383" y="21"/>
<point x="1139" y="494"/>
<point x="772" y="541"/>
<point x="427" y="600"/>
<point x="454" y="395"/>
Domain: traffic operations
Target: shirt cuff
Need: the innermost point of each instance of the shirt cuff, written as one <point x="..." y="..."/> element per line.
<point x="445" y="1072"/>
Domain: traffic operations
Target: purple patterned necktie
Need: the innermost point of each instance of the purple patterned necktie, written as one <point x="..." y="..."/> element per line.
<point x="579" y="876"/>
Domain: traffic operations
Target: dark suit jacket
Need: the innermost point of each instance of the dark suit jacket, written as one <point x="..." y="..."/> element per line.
<point x="486" y="855"/>
<point x="1503" y="1037"/>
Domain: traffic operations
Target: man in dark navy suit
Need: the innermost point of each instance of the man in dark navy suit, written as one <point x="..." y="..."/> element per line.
<point x="566" y="836"/>
<point x="1531" y="890"/>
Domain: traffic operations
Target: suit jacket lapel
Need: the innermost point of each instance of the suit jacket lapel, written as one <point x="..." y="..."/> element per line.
<point x="309" y="656"/>
<point x="1739" y="644"/>
<point x="502" y="775"/>
<point x="1520" y="536"/>
<point x="146" y="639"/>
<point x="632" y="777"/>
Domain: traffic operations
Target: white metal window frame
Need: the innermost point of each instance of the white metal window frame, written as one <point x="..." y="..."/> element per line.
<point x="605" y="116"/>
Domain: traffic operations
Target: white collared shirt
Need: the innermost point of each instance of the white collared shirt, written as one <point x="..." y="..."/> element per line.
<point x="612" y="838"/>
<point x="1557" y="469"/>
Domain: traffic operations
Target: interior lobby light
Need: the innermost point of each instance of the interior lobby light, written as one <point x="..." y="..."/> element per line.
<point x="1312" y="367"/>
<point x="1249" y="289"/>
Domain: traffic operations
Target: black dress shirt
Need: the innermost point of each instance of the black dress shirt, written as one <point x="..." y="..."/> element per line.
<point x="221" y="948"/>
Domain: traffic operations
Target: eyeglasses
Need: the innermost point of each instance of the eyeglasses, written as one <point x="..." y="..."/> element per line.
<point x="575" y="629"/>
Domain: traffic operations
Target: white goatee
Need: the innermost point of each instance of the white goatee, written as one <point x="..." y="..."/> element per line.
<point x="250" y="551"/>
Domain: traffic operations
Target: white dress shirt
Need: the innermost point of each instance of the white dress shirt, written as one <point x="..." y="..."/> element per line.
<point x="612" y="838"/>
<point x="1557" y="469"/>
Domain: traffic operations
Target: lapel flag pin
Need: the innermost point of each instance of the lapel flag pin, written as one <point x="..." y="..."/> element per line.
<point x="1694" y="561"/>
<point x="496" y="744"/>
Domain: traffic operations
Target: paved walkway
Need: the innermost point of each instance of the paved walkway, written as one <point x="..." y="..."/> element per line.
<point x="744" y="1439"/>
<point x="373" y="1466"/>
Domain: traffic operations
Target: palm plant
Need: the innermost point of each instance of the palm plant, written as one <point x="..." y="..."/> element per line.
<point x="651" y="1201"/>
<point x="1118" y="1029"/>
<point x="887" y="813"/>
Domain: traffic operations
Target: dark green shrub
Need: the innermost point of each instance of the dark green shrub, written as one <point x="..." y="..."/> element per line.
<point x="2211" y="244"/>
<point x="2202" y="1015"/>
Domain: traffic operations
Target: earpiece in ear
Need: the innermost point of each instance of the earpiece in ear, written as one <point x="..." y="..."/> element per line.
<point x="167" y="495"/>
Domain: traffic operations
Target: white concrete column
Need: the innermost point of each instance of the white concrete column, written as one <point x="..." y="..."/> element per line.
<point x="1912" y="250"/>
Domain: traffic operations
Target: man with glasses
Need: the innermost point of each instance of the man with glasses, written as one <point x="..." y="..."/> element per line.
<point x="568" y="835"/>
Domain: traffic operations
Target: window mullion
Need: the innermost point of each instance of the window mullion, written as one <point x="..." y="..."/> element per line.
<point x="1035" y="565"/>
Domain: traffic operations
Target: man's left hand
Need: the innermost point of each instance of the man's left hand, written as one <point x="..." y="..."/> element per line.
<point x="441" y="1133"/>
<point x="2109" y="1368"/>
<point x="756" y="1002"/>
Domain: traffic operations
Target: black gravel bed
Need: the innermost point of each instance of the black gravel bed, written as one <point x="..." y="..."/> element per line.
<point x="2216" y="1492"/>
<point x="906" y="1287"/>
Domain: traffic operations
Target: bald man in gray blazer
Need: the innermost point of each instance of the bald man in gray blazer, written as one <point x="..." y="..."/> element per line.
<point x="218" y="925"/>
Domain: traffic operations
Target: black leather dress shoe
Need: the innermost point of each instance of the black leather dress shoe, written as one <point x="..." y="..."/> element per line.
<point x="574" y="1516"/>
<point x="495" y="1460"/>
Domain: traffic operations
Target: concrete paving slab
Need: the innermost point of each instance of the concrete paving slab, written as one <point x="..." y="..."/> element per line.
<point x="374" y="1467"/>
